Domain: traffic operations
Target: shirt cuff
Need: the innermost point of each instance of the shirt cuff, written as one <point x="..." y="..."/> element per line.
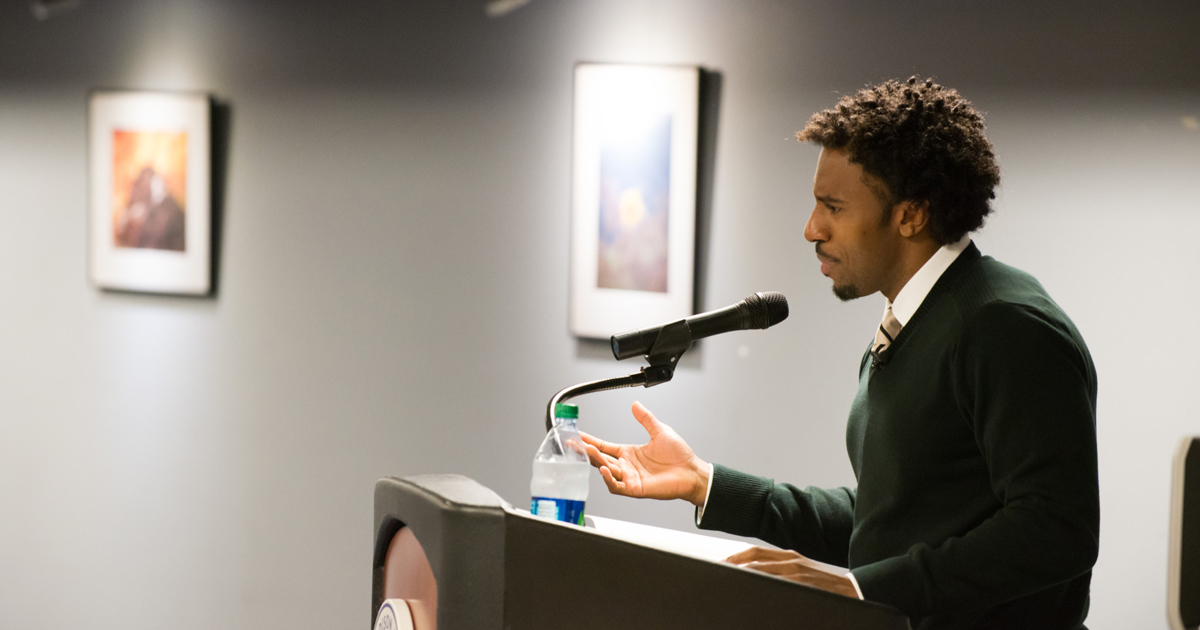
<point x="707" y="492"/>
<point x="855" y="583"/>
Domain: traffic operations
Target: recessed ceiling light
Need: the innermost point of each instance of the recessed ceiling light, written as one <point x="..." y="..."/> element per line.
<point x="46" y="9"/>
<point x="497" y="8"/>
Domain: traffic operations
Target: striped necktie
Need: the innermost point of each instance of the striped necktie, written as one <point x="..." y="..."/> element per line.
<point x="888" y="329"/>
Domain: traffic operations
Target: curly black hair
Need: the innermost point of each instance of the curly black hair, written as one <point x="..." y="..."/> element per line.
<point x="924" y="141"/>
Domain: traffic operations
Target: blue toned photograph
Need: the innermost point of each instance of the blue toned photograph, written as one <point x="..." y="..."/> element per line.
<point x="635" y="178"/>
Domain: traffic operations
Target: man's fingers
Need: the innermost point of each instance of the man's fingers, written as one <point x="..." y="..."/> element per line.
<point x="614" y="470"/>
<point x="607" y="448"/>
<point x="614" y="486"/>
<point x="761" y="554"/>
<point x="800" y="570"/>
<point x="647" y="420"/>
<point x="774" y="568"/>
<point x="599" y="459"/>
<point x="746" y="555"/>
<point x="742" y="557"/>
<point x="594" y="455"/>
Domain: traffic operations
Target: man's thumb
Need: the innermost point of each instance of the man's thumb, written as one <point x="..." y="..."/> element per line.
<point x="647" y="419"/>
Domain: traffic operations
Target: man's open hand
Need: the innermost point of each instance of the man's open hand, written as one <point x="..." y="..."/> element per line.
<point x="795" y="567"/>
<point x="663" y="468"/>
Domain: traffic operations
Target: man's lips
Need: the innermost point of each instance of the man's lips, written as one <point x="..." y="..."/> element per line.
<point x="826" y="263"/>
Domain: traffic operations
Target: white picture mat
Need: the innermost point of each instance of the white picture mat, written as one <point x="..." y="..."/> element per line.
<point x="150" y="270"/>
<point x="599" y="89"/>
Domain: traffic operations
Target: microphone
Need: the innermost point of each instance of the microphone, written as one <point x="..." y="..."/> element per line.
<point x="761" y="310"/>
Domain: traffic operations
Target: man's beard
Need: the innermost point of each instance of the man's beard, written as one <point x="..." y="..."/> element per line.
<point x="846" y="292"/>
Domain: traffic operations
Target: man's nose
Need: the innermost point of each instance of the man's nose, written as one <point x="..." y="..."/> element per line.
<point x="813" y="230"/>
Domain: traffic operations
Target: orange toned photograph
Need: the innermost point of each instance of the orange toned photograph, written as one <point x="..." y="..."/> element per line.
<point x="149" y="189"/>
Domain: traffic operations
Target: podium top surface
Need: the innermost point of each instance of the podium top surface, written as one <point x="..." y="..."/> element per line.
<point x="455" y="489"/>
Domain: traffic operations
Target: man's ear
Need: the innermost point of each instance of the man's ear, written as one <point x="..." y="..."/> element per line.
<point x="913" y="217"/>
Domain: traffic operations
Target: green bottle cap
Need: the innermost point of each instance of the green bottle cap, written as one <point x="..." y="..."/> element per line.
<point x="563" y="410"/>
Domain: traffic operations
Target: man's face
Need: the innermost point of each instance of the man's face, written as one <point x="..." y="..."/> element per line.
<point x="855" y="240"/>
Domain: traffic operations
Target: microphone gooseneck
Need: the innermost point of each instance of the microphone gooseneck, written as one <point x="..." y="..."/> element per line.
<point x="663" y="345"/>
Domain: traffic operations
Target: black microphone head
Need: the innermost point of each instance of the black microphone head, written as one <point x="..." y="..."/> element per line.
<point x="767" y="309"/>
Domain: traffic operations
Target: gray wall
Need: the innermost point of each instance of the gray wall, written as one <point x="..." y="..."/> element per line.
<point x="394" y="275"/>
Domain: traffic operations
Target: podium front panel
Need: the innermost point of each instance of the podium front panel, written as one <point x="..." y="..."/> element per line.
<point x="577" y="579"/>
<point x="497" y="567"/>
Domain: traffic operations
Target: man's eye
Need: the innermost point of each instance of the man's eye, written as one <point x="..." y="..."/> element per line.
<point x="832" y="208"/>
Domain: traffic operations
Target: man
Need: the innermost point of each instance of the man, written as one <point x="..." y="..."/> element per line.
<point x="972" y="436"/>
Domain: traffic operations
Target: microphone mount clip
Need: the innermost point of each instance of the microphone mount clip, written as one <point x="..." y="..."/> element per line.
<point x="664" y="355"/>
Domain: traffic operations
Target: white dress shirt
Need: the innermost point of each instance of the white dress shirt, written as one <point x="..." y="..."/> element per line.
<point x="909" y="299"/>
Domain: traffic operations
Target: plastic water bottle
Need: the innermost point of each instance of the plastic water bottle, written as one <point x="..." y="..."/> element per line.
<point x="560" y="471"/>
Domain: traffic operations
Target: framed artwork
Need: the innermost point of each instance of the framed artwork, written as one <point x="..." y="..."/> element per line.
<point x="149" y="192"/>
<point x="633" y="206"/>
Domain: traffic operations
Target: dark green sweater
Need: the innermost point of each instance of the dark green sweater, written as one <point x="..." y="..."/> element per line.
<point x="973" y="440"/>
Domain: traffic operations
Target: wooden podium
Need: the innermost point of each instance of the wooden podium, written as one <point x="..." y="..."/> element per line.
<point x="465" y="559"/>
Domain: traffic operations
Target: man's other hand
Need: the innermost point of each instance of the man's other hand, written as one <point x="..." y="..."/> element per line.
<point x="663" y="468"/>
<point x="790" y="565"/>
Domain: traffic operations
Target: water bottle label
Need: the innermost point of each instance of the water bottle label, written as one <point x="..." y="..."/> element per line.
<point x="564" y="510"/>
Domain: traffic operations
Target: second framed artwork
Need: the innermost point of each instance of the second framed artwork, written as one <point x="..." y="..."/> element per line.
<point x="149" y="174"/>
<point x="633" y="206"/>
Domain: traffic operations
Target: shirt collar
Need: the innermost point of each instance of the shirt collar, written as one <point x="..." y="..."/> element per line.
<point x="909" y="299"/>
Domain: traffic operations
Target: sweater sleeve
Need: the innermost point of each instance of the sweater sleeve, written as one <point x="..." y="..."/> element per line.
<point x="813" y="521"/>
<point x="1027" y="388"/>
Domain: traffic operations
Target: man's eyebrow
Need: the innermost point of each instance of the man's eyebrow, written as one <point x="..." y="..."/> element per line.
<point x="828" y="199"/>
